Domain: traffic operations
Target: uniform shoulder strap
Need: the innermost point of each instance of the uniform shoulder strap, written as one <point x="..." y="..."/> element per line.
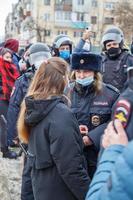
<point x="111" y="87"/>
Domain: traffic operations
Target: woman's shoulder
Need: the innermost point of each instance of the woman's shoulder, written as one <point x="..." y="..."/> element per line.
<point x="63" y="111"/>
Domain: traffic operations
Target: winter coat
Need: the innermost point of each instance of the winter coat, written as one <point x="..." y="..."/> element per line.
<point x="123" y="110"/>
<point x="55" y="151"/>
<point x="94" y="111"/>
<point x="18" y="94"/>
<point x="8" y="75"/>
<point x="114" y="176"/>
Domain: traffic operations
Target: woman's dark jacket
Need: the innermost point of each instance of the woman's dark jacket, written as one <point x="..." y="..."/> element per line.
<point x="55" y="151"/>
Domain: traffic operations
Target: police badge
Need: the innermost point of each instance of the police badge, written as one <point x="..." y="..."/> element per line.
<point x="95" y="120"/>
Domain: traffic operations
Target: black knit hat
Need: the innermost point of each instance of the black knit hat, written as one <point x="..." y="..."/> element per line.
<point x="86" y="61"/>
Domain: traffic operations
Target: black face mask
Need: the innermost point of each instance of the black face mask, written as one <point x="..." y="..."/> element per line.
<point x="114" y="52"/>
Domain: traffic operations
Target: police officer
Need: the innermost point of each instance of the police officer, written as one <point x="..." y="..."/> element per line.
<point x="91" y="102"/>
<point x="116" y="59"/>
<point x="37" y="53"/>
<point x="62" y="47"/>
<point x="123" y="108"/>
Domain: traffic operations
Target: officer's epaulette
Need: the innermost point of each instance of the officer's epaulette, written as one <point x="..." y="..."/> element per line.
<point x="112" y="88"/>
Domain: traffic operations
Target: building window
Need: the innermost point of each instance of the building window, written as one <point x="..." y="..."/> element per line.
<point x="59" y="16"/>
<point x="47" y="17"/>
<point x="46" y="2"/>
<point x="93" y="20"/>
<point x="77" y="34"/>
<point x="108" y="20"/>
<point x="67" y="15"/>
<point x="80" y="16"/>
<point x="62" y="32"/>
<point x="94" y="3"/>
<point x="62" y="16"/>
<point x="109" y="5"/>
<point x="57" y="2"/>
<point x="60" y="2"/>
<point x="80" y="2"/>
<point x="47" y="32"/>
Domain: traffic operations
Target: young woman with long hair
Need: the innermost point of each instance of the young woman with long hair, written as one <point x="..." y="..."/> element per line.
<point x="53" y="137"/>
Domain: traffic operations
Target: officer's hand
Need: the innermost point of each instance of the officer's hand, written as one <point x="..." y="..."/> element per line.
<point x="83" y="129"/>
<point x="112" y="136"/>
<point x="87" y="141"/>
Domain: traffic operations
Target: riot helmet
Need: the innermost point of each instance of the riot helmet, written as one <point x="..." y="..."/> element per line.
<point x="113" y="34"/>
<point x="38" y="52"/>
<point x="59" y="41"/>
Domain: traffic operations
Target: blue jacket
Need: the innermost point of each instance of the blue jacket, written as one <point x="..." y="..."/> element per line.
<point x="82" y="46"/>
<point x="114" y="176"/>
<point x="16" y="60"/>
<point x="20" y="89"/>
<point x="93" y="110"/>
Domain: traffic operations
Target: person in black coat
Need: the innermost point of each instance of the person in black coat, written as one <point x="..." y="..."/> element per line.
<point x="55" y="148"/>
<point x="91" y="102"/>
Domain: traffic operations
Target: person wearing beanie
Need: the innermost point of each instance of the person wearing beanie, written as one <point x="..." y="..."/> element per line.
<point x="91" y="102"/>
<point x="13" y="45"/>
<point x="8" y="75"/>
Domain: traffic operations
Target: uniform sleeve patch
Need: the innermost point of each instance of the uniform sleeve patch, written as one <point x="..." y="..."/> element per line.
<point x="122" y="111"/>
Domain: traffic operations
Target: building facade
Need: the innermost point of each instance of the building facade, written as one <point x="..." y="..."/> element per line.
<point x="42" y="20"/>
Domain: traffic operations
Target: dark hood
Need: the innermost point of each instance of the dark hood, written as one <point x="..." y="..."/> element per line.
<point x="37" y="110"/>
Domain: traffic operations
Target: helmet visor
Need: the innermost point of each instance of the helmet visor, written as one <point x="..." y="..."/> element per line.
<point x="38" y="58"/>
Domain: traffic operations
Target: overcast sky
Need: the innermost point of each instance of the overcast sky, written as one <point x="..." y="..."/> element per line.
<point x="5" y="8"/>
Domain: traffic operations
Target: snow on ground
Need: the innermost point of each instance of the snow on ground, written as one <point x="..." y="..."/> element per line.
<point x="10" y="178"/>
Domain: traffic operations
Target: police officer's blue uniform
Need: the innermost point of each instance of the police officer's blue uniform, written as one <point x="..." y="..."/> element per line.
<point x="93" y="110"/>
<point x="115" y="71"/>
<point x="19" y="92"/>
<point x="123" y="110"/>
<point x="91" y="103"/>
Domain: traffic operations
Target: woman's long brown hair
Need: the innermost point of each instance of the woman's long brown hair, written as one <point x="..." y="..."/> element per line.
<point x="50" y="79"/>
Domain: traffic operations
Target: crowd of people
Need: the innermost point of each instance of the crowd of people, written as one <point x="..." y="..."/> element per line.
<point x="70" y="111"/>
